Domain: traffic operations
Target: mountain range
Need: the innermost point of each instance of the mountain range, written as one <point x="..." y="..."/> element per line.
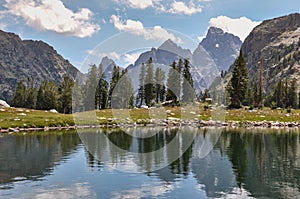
<point x="205" y="60"/>
<point x="276" y="42"/>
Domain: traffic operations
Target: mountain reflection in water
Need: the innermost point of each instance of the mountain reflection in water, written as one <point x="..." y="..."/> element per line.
<point x="144" y="162"/>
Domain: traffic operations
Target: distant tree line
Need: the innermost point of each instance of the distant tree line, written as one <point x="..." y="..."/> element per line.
<point x="48" y="96"/>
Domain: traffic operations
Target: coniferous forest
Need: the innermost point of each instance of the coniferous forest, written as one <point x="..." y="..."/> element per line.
<point x="155" y="89"/>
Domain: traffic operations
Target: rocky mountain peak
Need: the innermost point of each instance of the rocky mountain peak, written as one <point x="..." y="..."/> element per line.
<point x="223" y="47"/>
<point x="172" y="47"/>
<point x="107" y="61"/>
<point x="214" y="31"/>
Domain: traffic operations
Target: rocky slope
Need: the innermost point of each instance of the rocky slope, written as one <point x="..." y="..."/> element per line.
<point x="203" y="67"/>
<point x="277" y="43"/>
<point x="222" y="47"/>
<point x="20" y="59"/>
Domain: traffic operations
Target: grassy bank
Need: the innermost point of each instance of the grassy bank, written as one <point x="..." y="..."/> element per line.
<point x="26" y="118"/>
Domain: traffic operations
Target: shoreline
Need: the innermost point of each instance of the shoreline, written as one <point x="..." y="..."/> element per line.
<point x="175" y="122"/>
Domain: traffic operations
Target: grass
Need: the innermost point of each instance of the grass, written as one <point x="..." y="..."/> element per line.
<point x="26" y="118"/>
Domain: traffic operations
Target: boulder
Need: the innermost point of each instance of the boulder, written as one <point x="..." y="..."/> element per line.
<point x="4" y="104"/>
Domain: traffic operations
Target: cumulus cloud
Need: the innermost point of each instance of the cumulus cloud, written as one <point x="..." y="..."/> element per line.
<point x="137" y="28"/>
<point x="174" y="7"/>
<point x="113" y="55"/>
<point x="130" y="58"/>
<point x="180" y="7"/>
<point x="137" y="4"/>
<point x="240" y="27"/>
<point x="52" y="15"/>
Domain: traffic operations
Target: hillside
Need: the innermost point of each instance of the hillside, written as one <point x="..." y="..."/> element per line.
<point x="277" y="43"/>
<point x="20" y="59"/>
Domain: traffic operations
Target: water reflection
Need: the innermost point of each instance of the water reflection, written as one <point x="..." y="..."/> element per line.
<point x="266" y="163"/>
<point x="243" y="163"/>
<point x="149" y="149"/>
<point x="31" y="156"/>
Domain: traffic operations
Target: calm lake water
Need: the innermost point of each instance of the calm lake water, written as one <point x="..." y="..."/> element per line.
<point x="201" y="163"/>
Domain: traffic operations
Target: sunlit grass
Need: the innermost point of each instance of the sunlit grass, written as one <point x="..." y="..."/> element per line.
<point x="26" y="118"/>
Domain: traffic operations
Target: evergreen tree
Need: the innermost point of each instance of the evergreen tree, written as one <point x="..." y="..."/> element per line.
<point x="101" y="95"/>
<point x="179" y="69"/>
<point x="90" y="88"/>
<point x="174" y="83"/>
<point x="25" y="96"/>
<point x="238" y="84"/>
<point x="65" y="95"/>
<point x="113" y="82"/>
<point x="141" y="90"/>
<point x="249" y="97"/>
<point x="159" y="85"/>
<point x="299" y="97"/>
<point x="255" y="95"/>
<point x="286" y="93"/>
<point x="77" y="97"/>
<point x="188" y="92"/>
<point x="279" y="94"/>
<point x="149" y="84"/>
<point x="162" y="95"/>
<point x="122" y="96"/>
<point x="20" y="95"/>
<point x="47" y="97"/>
<point x="292" y="94"/>
<point x="31" y="94"/>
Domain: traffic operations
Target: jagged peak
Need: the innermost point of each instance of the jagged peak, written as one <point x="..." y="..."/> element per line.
<point x="107" y="61"/>
<point x="214" y="29"/>
<point x="219" y="31"/>
<point x="169" y="44"/>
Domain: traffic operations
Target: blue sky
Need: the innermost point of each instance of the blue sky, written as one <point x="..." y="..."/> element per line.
<point x="79" y="29"/>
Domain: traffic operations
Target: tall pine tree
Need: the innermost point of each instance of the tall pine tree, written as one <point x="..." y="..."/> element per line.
<point x="149" y="84"/>
<point x="141" y="90"/>
<point x="65" y="95"/>
<point x="174" y="83"/>
<point x="20" y="95"/>
<point x="47" y="97"/>
<point x="113" y="82"/>
<point x="122" y="96"/>
<point x="159" y="84"/>
<point x="292" y="94"/>
<point x="101" y="95"/>
<point x="90" y="88"/>
<point x="188" y="92"/>
<point x="237" y="87"/>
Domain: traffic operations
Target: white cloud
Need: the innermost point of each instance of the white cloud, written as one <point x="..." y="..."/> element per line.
<point x="52" y="15"/>
<point x="137" y="28"/>
<point x="112" y="55"/>
<point x="174" y="7"/>
<point x="138" y="4"/>
<point x="200" y="38"/>
<point x="180" y="7"/>
<point x="240" y="27"/>
<point x="131" y="58"/>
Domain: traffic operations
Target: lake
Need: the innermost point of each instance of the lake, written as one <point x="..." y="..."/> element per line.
<point x="153" y="162"/>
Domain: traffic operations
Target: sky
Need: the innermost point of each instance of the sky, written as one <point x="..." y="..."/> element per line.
<point x="84" y="31"/>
